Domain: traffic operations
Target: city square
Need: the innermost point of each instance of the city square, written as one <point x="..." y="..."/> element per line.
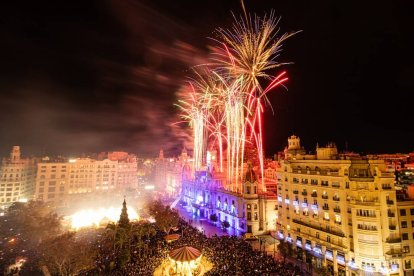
<point x="206" y="138"/>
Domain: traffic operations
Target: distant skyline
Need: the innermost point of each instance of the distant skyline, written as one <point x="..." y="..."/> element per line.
<point x="84" y="77"/>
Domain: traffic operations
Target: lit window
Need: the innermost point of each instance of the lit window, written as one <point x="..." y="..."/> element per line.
<point x="338" y="218"/>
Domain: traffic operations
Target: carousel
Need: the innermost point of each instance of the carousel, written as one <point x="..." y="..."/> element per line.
<point x="184" y="261"/>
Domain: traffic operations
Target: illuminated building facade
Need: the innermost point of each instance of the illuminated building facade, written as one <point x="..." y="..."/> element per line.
<point x="251" y="210"/>
<point x="168" y="173"/>
<point x="56" y="180"/>
<point x="405" y="214"/>
<point x="17" y="178"/>
<point x="127" y="169"/>
<point x="340" y="212"/>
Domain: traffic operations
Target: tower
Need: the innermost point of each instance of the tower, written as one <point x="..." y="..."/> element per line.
<point x="15" y="154"/>
<point x="293" y="142"/>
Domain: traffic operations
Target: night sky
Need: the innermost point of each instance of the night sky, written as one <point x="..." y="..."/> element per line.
<point x="88" y="76"/>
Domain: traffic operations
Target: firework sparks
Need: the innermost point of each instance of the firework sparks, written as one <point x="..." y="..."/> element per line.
<point x="227" y="101"/>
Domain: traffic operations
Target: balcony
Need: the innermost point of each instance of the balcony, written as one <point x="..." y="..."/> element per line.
<point x="391" y="214"/>
<point x="317" y="227"/>
<point x="325" y="197"/>
<point x="325" y="207"/>
<point x="392" y="227"/>
<point x="324" y="184"/>
<point x="338" y="222"/>
<point x="314" y="195"/>
<point x="336" y="185"/>
<point x="337" y="210"/>
<point x="314" y="182"/>
<point x="304" y="193"/>
<point x="296" y="192"/>
<point x="336" y="198"/>
<point x="393" y="240"/>
<point x="390" y="202"/>
<point x="386" y="187"/>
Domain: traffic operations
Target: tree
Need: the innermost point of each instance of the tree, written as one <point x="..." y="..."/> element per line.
<point x="123" y="218"/>
<point x="165" y="218"/>
<point x="213" y="217"/>
<point x="123" y="237"/>
<point x="142" y="232"/>
<point x="67" y="254"/>
<point x="322" y="271"/>
<point x="285" y="249"/>
<point x="225" y="224"/>
<point x="25" y="226"/>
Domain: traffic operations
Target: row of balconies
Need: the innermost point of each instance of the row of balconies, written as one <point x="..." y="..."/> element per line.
<point x="318" y="227"/>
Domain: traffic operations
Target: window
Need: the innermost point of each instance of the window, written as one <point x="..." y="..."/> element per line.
<point x="412" y="223"/>
<point x="255" y="216"/>
<point x="317" y="235"/>
<point x="328" y="238"/>
<point x="249" y="207"/>
<point x="402" y="212"/>
<point x="255" y="206"/>
<point x="406" y="249"/>
<point x="412" y="211"/>
<point x="338" y="218"/>
<point x="405" y="236"/>
<point x="408" y="264"/>
<point x="249" y="216"/>
<point x="403" y="224"/>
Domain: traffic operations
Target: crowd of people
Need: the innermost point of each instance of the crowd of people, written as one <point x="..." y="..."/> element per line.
<point x="228" y="255"/>
<point x="232" y="255"/>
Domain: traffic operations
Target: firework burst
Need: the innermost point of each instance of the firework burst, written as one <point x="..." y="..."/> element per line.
<point x="226" y="102"/>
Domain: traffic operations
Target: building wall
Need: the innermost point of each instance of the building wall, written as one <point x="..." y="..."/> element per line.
<point x="56" y="180"/>
<point x="338" y="213"/>
<point x="17" y="178"/>
<point x="249" y="211"/>
<point x="405" y="216"/>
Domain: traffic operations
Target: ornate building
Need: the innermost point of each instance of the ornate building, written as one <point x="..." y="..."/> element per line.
<point x="340" y="212"/>
<point x="17" y="178"/>
<point x="251" y="210"/>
